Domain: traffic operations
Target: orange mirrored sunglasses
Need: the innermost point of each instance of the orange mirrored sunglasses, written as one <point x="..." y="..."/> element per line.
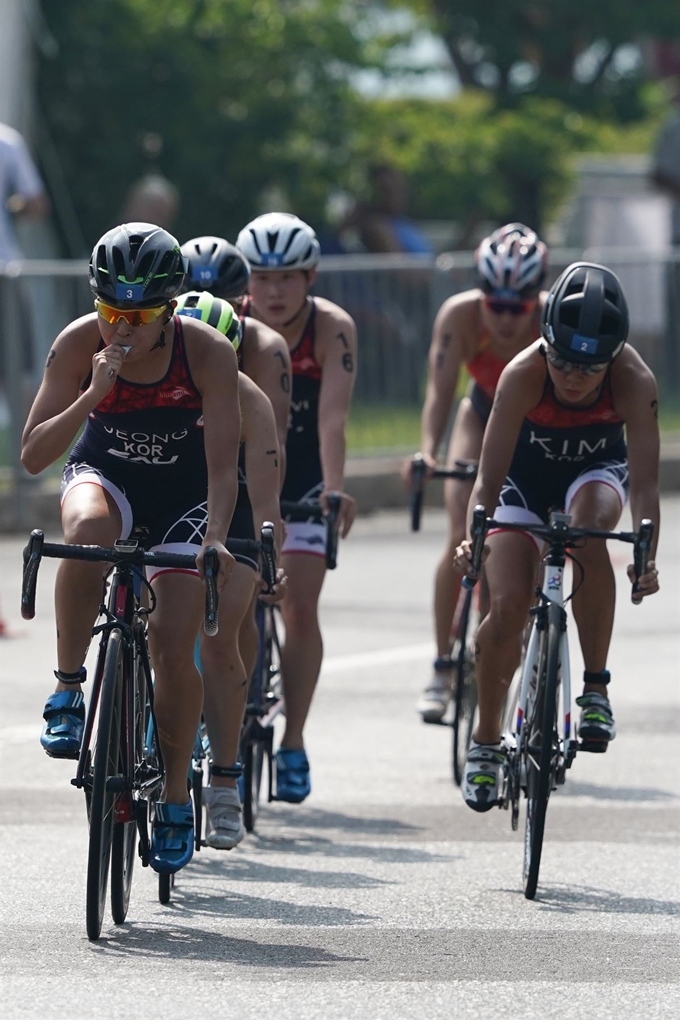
<point x="134" y="316"/>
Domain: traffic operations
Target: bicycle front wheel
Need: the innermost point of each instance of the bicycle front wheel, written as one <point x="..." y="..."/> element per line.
<point x="466" y="686"/>
<point x="541" y="749"/>
<point x="106" y="760"/>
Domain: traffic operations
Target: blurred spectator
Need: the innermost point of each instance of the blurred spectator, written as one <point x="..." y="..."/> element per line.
<point x="21" y="190"/>
<point x="22" y="195"/>
<point x="666" y="162"/>
<point x="382" y="222"/>
<point x="151" y="199"/>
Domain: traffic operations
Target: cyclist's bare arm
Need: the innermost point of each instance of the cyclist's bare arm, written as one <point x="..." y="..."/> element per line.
<point x="213" y="366"/>
<point x="267" y="363"/>
<point x="455" y="322"/>
<point x="258" y="430"/>
<point x="636" y="400"/>
<point x="336" y="352"/>
<point x="519" y="391"/>
<point x="58" y="411"/>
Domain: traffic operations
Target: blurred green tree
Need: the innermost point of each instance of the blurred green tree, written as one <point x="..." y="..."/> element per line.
<point x="468" y="161"/>
<point x="581" y="52"/>
<point x="233" y="96"/>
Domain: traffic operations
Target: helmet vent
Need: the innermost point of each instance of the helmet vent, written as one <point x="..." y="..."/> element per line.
<point x="291" y="237"/>
<point x="136" y="243"/>
<point x="272" y="239"/>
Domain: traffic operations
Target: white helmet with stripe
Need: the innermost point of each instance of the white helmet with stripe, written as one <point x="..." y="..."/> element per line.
<point x="279" y="241"/>
<point x="511" y="262"/>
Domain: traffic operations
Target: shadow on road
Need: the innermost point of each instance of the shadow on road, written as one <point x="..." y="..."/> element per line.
<point x="576" y="899"/>
<point x="186" y="943"/>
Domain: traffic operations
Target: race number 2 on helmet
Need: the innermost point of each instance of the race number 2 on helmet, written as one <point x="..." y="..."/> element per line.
<point x="585" y="318"/>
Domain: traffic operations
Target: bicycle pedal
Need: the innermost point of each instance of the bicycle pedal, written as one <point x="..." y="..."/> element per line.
<point x="594" y="746"/>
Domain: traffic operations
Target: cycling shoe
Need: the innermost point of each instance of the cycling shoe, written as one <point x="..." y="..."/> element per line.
<point x="292" y="775"/>
<point x="172" y="837"/>
<point x="64" y="717"/>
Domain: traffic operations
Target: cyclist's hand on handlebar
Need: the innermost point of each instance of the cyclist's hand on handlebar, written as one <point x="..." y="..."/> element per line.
<point x="462" y="557"/>
<point x="347" y="510"/>
<point x="280" y="588"/>
<point x="226" y="562"/>
<point x="429" y="465"/>
<point x="648" y="583"/>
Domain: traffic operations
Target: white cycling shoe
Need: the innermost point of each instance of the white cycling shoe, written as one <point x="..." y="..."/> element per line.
<point x="225" y="828"/>
<point x="435" y="699"/>
<point x="483" y="777"/>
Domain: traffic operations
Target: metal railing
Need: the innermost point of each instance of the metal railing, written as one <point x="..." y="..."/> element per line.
<point x="392" y="298"/>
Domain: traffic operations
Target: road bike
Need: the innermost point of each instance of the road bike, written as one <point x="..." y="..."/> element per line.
<point x="120" y="770"/>
<point x="470" y="612"/>
<point x="265" y="691"/>
<point x="538" y="738"/>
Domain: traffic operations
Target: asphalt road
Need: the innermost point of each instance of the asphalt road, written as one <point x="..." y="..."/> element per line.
<point x="382" y="896"/>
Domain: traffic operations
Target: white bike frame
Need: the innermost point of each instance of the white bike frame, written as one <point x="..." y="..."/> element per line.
<point x="520" y="707"/>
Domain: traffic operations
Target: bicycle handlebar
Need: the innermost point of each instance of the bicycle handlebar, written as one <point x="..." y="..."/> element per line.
<point x="641" y="550"/>
<point x="479" y="530"/>
<point x="268" y="557"/>
<point x="418" y="470"/>
<point x="211" y="565"/>
<point x="127" y="553"/>
<point x="558" y="532"/>
<point x="305" y="509"/>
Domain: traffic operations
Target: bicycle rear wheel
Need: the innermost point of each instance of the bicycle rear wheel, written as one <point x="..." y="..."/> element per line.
<point x="165" y="886"/>
<point x="253" y="765"/>
<point x="106" y="761"/>
<point x="123" y="853"/>
<point x="466" y="685"/>
<point x="540" y="749"/>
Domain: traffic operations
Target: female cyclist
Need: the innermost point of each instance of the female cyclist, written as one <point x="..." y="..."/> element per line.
<point x="283" y="253"/>
<point x="555" y="440"/>
<point x="158" y="397"/>
<point x="223" y="667"/>
<point x="481" y="329"/>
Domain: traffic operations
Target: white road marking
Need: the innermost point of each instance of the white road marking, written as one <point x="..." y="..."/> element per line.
<point x="378" y="657"/>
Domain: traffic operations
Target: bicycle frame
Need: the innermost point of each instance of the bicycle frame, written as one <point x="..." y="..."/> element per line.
<point x="139" y="782"/>
<point x="551" y="592"/>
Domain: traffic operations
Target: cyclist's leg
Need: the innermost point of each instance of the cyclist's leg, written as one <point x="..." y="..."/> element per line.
<point x="224" y="674"/>
<point x="248" y="637"/>
<point x="595" y="505"/>
<point x="511" y="576"/>
<point x="465" y="445"/>
<point x="91" y="515"/>
<point x="225" y="685"/>
<point x="178" y="694"/>
<point x="595" y="500"/>
<point x="302" y="651"/>
<point x="511" y="570"/>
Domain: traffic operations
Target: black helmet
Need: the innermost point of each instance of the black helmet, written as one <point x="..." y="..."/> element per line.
<point x="585" y="318"/>
<point x="217" y="266"/>
<point x="137" y="265"/>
